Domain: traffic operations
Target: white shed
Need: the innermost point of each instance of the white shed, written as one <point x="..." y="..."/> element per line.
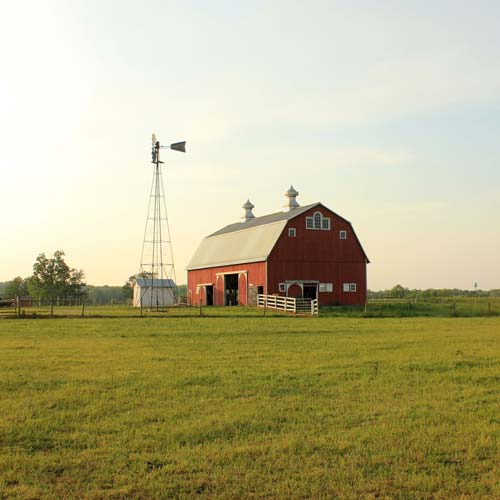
<point x="154" y="292"/>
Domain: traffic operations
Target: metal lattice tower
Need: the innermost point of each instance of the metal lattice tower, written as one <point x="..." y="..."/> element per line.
<point x="157" y="259"/>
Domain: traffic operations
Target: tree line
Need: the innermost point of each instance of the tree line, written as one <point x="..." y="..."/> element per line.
<point x="53" y="280"/>
<point x="401" y="292"/>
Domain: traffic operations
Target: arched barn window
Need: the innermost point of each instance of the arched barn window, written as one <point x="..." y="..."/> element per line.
<point x="317" y="221"/>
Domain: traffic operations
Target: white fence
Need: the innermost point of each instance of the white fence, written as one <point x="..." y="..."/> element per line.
<point x="288" y="304"/>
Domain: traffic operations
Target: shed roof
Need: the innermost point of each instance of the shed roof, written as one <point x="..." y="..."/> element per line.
<point x="156" y="282"/>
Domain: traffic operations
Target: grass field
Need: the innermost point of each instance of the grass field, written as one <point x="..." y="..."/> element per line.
<point x="246" y="406"/>
<point x="456" y="307"/>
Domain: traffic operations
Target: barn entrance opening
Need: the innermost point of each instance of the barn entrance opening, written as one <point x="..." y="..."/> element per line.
<point x="209" y="295"/>
<point x="310" y="292"/>
<point x="231" y="290"/>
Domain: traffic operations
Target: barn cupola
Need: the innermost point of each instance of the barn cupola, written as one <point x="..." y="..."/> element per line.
<point x="291" y="194"/>
<point x="248" y="207"/>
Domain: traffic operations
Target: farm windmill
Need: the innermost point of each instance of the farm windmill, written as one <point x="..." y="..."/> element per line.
<point x="156" y="283"/>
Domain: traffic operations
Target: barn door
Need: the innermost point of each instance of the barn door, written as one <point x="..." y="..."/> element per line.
<point x="310" y="292"/>
<point x="209" y="295"/>
<point x="231" y="290"/>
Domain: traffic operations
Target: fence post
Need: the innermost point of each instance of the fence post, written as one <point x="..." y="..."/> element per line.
<point x="83" y="307"/>
<point x="18" y="306"/>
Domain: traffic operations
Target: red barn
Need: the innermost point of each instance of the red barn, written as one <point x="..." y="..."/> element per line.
<point x="309" y="252"/>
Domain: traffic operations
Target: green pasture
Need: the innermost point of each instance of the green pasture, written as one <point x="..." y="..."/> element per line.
<point x="235" y="405"/>
<point x="377" y="308"/>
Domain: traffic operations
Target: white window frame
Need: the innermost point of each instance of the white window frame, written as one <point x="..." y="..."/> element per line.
<point x="322" y="287"/>
<point x="292" y="232"/>
<point x="352" y="287"/>
<point x="329" y="287"/>
<point x="343" y="234"/>
<point x="347" y="287"/>
<point x="318" y="222"/>
<point x="282" y="287"/>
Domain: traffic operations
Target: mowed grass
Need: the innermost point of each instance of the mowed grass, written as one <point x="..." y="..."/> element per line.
<point x="250" y="407"/>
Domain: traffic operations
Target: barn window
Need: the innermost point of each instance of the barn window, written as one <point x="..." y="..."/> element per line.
<point x="282" y="287"/>
<point x="322" y="287"/>
<point x="317" y="221"/>
<point x="292" y="232"/>
<point x="350" y="287"/>
<point x="329" y="287"/>
<point x="343" y="235"/>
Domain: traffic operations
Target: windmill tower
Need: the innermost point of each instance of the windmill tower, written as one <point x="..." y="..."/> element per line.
<point x="156" y="283"/>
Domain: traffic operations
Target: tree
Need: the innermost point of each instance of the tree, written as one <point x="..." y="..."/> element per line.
<point x="128" y="287"/>
<point x="16" y="288"/>
<point x="398" y="291"/>
<point x="53" y="278"/>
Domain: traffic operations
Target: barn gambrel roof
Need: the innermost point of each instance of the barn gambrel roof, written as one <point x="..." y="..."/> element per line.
<point x="265" y="219"/>
<point x="245" y="242"/>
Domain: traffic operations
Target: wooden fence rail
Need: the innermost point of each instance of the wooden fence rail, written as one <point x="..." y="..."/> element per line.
<point x="8" y="307"/>
<point x="288" y="304"/>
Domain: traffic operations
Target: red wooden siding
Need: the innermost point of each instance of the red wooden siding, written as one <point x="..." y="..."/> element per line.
<point x="320" y="255"/>
<point x="255" y="276"/>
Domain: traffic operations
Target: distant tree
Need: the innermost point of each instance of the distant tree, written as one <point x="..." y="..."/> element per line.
<point x="103" y="295"/>
<point x="53" y="278"/>
<point x="18" y="287"/>
<point x="128" y="287"/>
<point x="398" y="291"/>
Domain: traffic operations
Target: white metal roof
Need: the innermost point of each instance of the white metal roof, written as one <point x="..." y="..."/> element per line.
<point x="248" y="244"/>
<point x="265" y="219"/>
<point x="160" y="283"/>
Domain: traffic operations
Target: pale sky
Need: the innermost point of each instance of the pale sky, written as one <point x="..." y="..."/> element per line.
<point x="386" y="112"/>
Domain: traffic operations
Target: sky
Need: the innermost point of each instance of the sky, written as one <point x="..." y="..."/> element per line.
<point x="387" y="112"/>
